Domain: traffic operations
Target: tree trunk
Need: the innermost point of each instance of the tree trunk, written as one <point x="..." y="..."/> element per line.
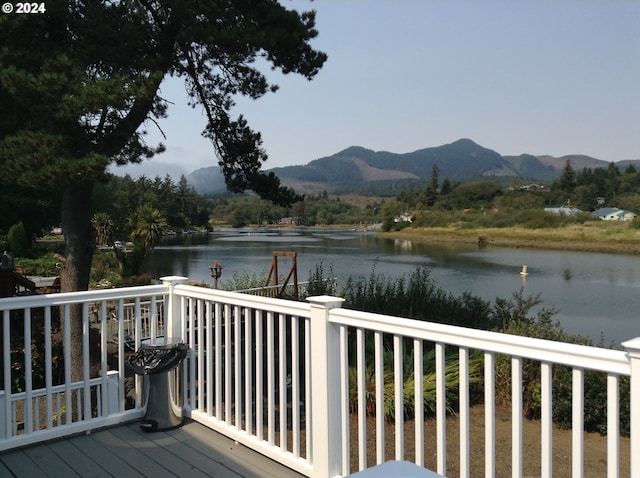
<point x="79" y="246"/>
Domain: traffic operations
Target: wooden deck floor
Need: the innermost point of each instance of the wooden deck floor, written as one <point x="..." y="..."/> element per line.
<point x="125" y="451"/>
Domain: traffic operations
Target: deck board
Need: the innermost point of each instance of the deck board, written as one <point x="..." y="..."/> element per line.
<point x="81" y="463"/>
<point x="19" y="464"/>
<point x="103" y="456"/>
<point x="192" y="450"/>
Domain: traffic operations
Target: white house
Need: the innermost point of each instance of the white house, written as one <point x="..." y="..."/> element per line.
<point x="614" y="214"/>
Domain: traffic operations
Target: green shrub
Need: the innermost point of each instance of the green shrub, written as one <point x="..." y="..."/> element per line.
<point x="415" y="295"/>
<point x="18" y="240"/>
<point x="319" y="284"/>
<point x="514" y="317"/>
<point x="47" y="265"/>
<point x="246" y="280"/>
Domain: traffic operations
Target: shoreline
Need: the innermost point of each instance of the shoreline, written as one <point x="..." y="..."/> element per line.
<point x="575" y="238"/>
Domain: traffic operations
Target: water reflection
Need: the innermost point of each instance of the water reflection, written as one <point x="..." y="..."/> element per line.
<point x="594" y="292"/>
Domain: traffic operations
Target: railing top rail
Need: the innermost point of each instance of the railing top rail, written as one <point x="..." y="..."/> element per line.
<point x="281" y="306"/>
<point x="579" y="356"/>
<point x="63" y="298"/>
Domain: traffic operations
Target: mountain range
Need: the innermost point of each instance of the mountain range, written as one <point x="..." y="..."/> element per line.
<point x="360" y="170"/>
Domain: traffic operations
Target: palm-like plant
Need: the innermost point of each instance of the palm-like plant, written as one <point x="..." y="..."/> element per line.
<point x="103" y="227"/>
<point x="146" y="225"/>
<point x="451" y="378"/>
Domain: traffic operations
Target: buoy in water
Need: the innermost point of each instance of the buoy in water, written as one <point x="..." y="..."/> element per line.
<point x="523" y="272"/>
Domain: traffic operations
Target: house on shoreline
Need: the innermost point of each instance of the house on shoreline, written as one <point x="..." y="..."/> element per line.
<point x="614" y="214"/>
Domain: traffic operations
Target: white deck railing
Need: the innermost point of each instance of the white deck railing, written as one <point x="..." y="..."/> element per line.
<point x="290" y="379"/>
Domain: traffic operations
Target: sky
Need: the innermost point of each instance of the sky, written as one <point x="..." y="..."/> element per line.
<point x="540" y="77"/>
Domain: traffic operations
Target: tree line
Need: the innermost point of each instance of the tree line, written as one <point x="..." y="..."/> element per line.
<point x="492" y="203"/>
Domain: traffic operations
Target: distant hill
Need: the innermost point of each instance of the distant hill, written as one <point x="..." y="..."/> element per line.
<point x="208" y="180"/>
<point x="356" y="168"/>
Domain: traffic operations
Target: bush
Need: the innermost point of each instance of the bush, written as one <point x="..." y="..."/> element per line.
<point x="246" y="280"/>
<point x="417" y="296"/>
<point x="319" y="284"/>
<point x="18" y="240"/>
<point x="47" y="265"/>
<point x="513" y="317"/>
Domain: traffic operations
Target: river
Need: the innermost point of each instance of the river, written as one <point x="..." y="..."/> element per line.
<point x="595" y="294"/>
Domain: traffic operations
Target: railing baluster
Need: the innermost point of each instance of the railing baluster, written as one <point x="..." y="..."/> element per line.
<point x="85" y="397"/>
<point x="227" y="363"/>
<point x="577" y="423"/>
<point x="465" y="466"/>
<point x="6" y="362"/>
<point x="418" y="374"/>
<point x="135" y="322"/>
<point x="441" y="411"/>
<point x="218" y="359"/>
<point x="546" y="416"/>
<point x="282" y="380"/>
<point x="191" y="324"/>
<point x="398" y="379"/>
<point x="67" y="363"/>
<point x="249" y="370"/>
<point x="237" y="376"/>
<point x="28" y="374"/>
<point x="260" y="376"/>
<point x="153" y="319"/>
<point x="380" y="416"/>
<point x="103" y="319"/>
<point x="271" y="419"/>
<point x="516" y="417"/>
<point x="613" y="426"/>
<point x="489" y="415"/>
<point x="121" y="369"/>
<point x="295" y="385"/>
<point x="210" y="320"/>
<point x="362" y="394"/>
<point x="345" y="429"/>
<point x="202" y="352"/>
<point x="48" y="360"/>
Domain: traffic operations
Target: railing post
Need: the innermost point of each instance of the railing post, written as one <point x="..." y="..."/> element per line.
<point x="3" y="425"/>
<point x="173" y="319"/>
<point x="113" y="382"/>
<point x="326" y="442"/>
<point x="633" y="349"/>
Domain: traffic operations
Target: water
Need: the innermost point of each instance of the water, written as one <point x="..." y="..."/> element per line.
<point x="596" y="294"/>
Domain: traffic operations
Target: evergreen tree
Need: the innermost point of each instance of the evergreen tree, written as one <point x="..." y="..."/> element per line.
<point x="568" y="178"/>
<point x="77" y="95"/>
<point x="431" y="191"/>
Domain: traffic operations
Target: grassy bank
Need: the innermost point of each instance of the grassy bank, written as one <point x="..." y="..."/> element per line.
<point x="589" y="237"/>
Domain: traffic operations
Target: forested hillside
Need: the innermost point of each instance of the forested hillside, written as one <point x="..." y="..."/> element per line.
<point x="360" y="170"/>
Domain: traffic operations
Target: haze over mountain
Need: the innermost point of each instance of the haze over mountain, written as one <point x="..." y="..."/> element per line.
<point x="357" y="169"/>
